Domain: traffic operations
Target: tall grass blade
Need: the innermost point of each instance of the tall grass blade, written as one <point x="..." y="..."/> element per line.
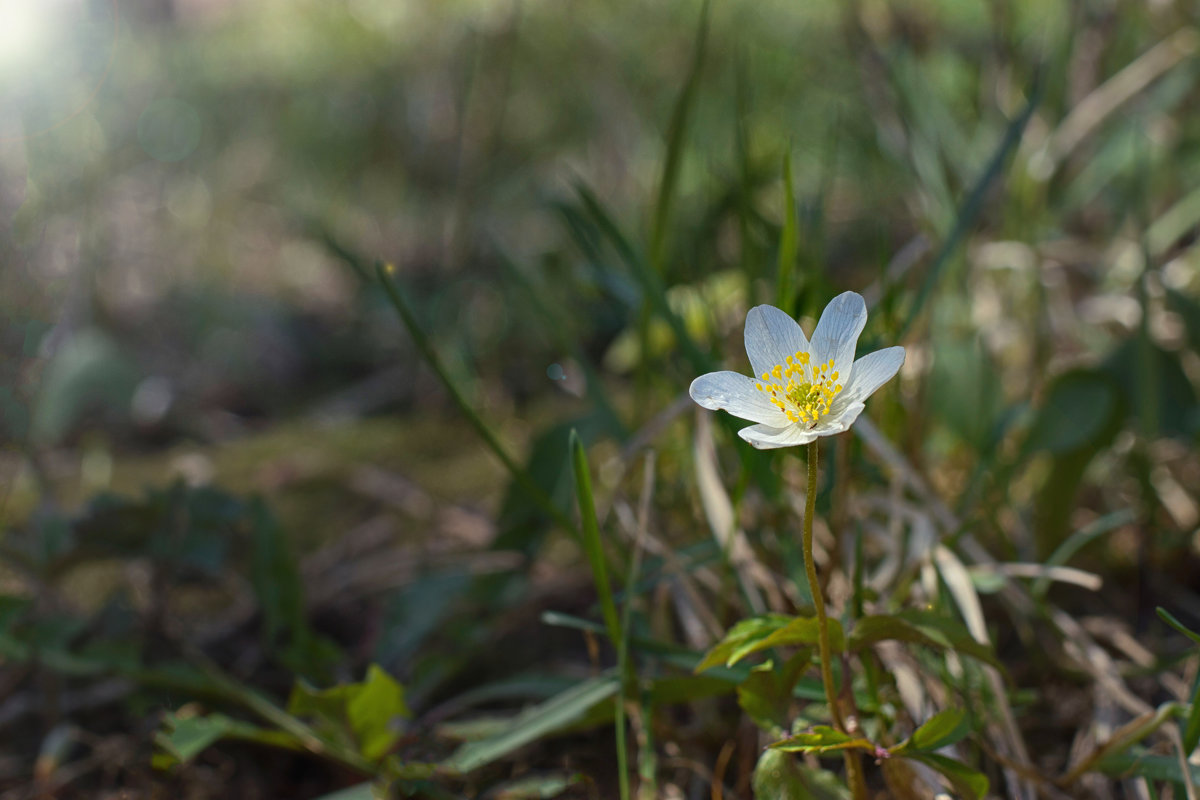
<point x="676" y="137"/>
<point x="538" y="721"/>
<point x="649" y="280"/>
<point x="592" y="546"/>
<point x="558" y="328"/>
<point x="969" y="211"/>
<point x="522" y="478"/>
<point x="788" y="241"/>
<point x="608" y="608"/>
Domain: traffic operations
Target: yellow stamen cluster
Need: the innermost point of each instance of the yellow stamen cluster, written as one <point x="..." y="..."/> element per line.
<point x="802" y="392"/>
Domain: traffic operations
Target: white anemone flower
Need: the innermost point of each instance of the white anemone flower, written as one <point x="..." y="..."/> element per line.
<point x="801" y="389"/>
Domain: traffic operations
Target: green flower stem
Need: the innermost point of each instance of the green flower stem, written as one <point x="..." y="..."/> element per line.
<point x="853" y="763"/>
<point x="810" y="567"/>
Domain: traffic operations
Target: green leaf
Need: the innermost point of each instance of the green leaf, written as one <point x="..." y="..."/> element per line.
<point x="823" y="739"/>
<point x="945" y="727"/>
<point x="1157" y="389"/>
<point x="766" y="695"/>
<point x="649" y="280"/>
<point x="274" y="575"/>
<point x="780" y="776"/>
<point x="182" y="738"/>
<point x="1146" y="765"/>
<point x="1169" y="618"/>
<point x="186" y="738"/>
<point x="536" y="787"/>
<point x="1191" y="730"/>
<point x="769" y="630"/>
<point x="591" y="538"/>
<point x="1078" y="411"/>
<point x="359" y="714"/>
<point x="361" y="791"/>
<point x="540" y="720"/>
<point x="966" y="782"/>
<point x="919" y="627"/>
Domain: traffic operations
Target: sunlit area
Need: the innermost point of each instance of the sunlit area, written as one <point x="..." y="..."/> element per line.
<point x="663" y="400"/>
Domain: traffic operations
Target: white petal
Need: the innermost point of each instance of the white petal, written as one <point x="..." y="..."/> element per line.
<point x="772" y="336"/>
<point x="837" y="331"/>
<point x="767" y="437"/>
<point x="839" y="419"/>
<point x="737" y="394"/>
<point x="872" y="371"/>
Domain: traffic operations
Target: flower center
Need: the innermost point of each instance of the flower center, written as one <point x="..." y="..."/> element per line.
<point x="803" y="392"/>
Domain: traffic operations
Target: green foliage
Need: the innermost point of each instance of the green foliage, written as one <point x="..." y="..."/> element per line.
<point x="185" y="736"/>
<point x="942" y="729"/>
<point x="535" y="722"/>
<point x="361" y="716"/>
<point x="1078" y="412"/>
<point x="780" y="775"/>
<point x="762" y="633"/>
<point x="919" y="627"/>
<point x="592" y="546"/>
<point x="766" y="695"/>
<point x="821" y="740"/>
<point x="998" y="247"/>
<point x="967" y="783"/>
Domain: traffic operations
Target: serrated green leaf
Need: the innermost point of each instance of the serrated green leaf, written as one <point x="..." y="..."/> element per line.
<point x="966" y="782"/>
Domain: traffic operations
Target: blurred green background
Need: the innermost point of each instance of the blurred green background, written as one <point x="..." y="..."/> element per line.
<point x="579" y="201"/>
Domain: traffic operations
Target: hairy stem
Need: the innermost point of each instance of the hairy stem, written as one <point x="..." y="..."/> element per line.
<point x="810" y="507"/>
<point x="853" y="764"/>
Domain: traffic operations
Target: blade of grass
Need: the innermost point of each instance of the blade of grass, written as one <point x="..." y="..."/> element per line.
<point x="785" y="292"/>
<point x="591" y="538"/>
<point x="969" y="210"/>
<point x="522" y="478"/>
<point x="557" y="327"/>
<point x="631" y="579"/>
<point x="650" y="281"/>
<point x="608" y="608"/>
<point x="1169" y="618"/>
<point x="676" y="137"/>
<point x="745" y="192"/>
<point x="1080" y="539"/>
<point x="544" y="718"/>
<point x="1191" y="731"/>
